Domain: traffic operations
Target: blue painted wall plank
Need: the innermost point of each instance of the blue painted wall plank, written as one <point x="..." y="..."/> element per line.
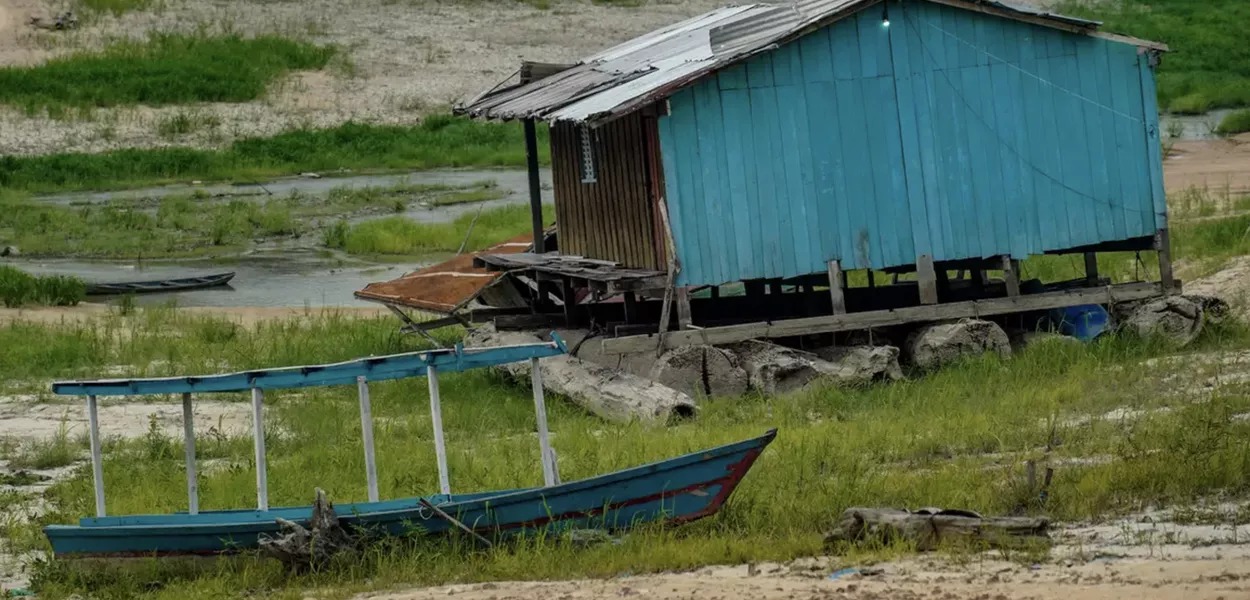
<point x="950" y="130"/>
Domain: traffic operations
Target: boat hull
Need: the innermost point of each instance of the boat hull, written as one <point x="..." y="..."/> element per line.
<point x="677" y="490"/>
<point x="164" y="285"/>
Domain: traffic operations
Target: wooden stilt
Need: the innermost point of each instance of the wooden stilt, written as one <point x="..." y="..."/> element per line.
<point x="97" y="460"/>
<point x="927" y="277"/>
<point x="836" y="287"/>
<point x="1163" y="245"/>
<point x="366" y="435"/>
<point x="188" y="442"/>
<point x="536" y="198"/>
<point x="1091" y="268"/>
<point x="570" y="301"/>
<point x="684" y="318"/>
<point x="440" y="445"/>
<point x="258" y="441"/>
<point x="631" y="309"/>
<point x="1011" y="275"/>
<point x="872" y="279"/>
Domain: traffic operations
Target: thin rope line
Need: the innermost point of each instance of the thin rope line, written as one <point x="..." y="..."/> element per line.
<point x="1039" y="78"/>
<point x="1003" y="142"/>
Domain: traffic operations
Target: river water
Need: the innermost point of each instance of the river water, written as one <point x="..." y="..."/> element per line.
<point x="281" y="276"/>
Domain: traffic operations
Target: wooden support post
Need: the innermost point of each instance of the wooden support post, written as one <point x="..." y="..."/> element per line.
<point x="631" y="309"/>
<point x="872" y="279"/>
<point x="927" y="277"/>
<point x="715" y="292"/>
<point x="684" y="318"/>
<point x="1011" y="276"/>
<point x="774" y="288"/>
<point x="97" y="459"/>
<point x="570" y="301"/>
<point x="366" y="436"/>
<point x="440" y="445"/>
<point x="1163" y="245"/>
<point x="188" y="442"/>
<point x="258" y="442"/>
<point x="536" y="186"/>
<point x="836" y="290"/>
<point x="979" y="278"/>
<point x="547" y="455"/>
<point x="1091" y="268"/>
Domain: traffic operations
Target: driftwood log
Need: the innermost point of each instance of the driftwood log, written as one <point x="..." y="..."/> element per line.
<point x="609" y="393"/>
<point x="928" y="528"/>
<point x="301" y="549"/>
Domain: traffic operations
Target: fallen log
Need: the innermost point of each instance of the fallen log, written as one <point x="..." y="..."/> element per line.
<point x="302" y="549"/>
<point x="928" y="528"/>
<point x="605" y="392"/>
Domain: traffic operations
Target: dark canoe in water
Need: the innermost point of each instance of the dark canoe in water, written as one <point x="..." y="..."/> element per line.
<point x="162" y="285"/>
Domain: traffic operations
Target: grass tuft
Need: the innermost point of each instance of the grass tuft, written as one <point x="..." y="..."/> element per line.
<point x="403" y="236"/>
<point x="1234" y="123"/>
<point x="165" y="69"/>
<point x="18" y="289"/>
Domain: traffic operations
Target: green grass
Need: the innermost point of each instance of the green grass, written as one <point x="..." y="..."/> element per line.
<point x="197" y="225"/>
<point x="18" y="289"/>
<point x="56" y="451"/>
<point x="1234" y="123"/>
<point x="165" y="69"/>
<point x="1209" y="66"/>
<point x="405" y="237"/>
<point x="439" y="141"/>
<point x="956" y="438"/>
<point x="113" y="7"/>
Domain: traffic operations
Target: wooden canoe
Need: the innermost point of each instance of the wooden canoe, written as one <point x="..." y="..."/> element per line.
<point x="160" y="285"/>
<point x="677" y="490"/>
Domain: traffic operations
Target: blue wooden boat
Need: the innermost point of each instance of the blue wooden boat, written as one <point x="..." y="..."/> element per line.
<point x="676" y="490"/>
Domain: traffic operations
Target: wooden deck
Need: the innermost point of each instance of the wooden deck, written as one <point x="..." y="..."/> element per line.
<point x="598" y="275"/>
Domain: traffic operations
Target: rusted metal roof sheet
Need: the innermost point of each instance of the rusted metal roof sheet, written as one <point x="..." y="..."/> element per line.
<point x="626" y="77"/>
<point x="446" y="287"/>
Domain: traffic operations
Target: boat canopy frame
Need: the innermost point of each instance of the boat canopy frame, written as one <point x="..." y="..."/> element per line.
<point x="427" y="363"/>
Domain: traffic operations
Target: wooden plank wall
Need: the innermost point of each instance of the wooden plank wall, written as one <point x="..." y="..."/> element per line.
<point x="613" y="218"/>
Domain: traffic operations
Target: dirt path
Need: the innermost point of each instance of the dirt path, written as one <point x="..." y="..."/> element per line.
<point x="1138" y="579"/>
<point x="1219" y="166"/>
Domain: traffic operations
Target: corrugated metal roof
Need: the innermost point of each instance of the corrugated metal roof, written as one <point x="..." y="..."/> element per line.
<point x="628" y="76"/>
<point x="446" y="287"/>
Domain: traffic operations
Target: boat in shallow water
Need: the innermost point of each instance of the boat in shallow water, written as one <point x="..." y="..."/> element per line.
<point x="161" y="285"/>
<point x="675" y="490"/>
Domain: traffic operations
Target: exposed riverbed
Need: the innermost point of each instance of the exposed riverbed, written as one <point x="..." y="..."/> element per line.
<point x="288" y="273"/>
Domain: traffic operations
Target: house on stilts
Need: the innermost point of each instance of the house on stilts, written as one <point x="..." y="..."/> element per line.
<point x="733" y="175"/>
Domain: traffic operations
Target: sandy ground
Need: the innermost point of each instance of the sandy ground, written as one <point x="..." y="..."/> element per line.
<point x="403" y="59"/>
<point x="1219" y="166"/>
<point x="1145" y="557"/>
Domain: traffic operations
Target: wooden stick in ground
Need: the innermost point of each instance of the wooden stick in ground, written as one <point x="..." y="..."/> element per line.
<point x="450" y="519"/>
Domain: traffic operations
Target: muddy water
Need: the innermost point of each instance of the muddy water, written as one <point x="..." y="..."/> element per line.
<point x="282" y="276"/>
<point x="1192" y="127"/>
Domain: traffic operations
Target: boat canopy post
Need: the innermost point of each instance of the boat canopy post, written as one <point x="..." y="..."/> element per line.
<point x="440" y="447"/>
<point x="550" y="474"/>
<point x="188" y="430"/>
<point x="97" y="461"/>
<point x="258" y="438"/>
<point x="366" y="435"/>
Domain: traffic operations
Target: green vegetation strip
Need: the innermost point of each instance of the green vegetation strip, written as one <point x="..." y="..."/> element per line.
<point x="405" y="237"/>
<point x="955" y="438"/>
<point x="18" y="289"/>
<point x="1234" y="123"/>
<point x="1209" y="66"/>
<point x="165" y="69"/>
<point x="198" y="225"/>
<point x="439" y="141"/>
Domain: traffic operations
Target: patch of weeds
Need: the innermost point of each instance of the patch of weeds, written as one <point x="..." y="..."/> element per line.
<point x="162" y="70"/>
<point x="50" y="453"/>
<point x="113" y="7"/>
<point x="403" y="236"/>
<point x="18" y="288"/>
<point x="1236" y="122"/>
<point x="184" y="123"/>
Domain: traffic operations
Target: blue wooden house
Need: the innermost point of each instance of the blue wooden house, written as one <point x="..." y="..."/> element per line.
<point x="787" y="143"/>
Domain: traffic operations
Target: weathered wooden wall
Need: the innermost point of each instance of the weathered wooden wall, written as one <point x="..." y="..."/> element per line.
<point x="613" y="218"/>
